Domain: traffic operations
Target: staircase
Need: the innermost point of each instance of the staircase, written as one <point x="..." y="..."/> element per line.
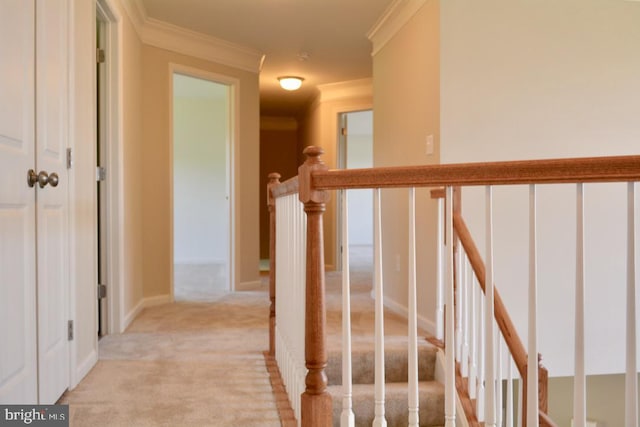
<point x="431" y="392"/>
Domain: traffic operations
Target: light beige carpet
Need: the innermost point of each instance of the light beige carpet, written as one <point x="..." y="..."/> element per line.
<point x="183" y="364"/>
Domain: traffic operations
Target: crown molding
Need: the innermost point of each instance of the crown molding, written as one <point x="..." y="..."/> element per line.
<point x="392" y="21"/>
<point x="163" y="35"/>
<point x="348" y="89"/>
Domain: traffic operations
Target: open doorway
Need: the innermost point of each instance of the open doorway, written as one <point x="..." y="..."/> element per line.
<point x="201" y="188"/>
<point x="355" y="152"/>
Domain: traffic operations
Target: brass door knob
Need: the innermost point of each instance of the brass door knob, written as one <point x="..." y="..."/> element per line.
<point x="43" y="178"/>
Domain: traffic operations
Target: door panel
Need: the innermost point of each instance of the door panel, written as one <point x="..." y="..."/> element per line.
<point x="51" y="202"/>
<point x="18" y="366"/>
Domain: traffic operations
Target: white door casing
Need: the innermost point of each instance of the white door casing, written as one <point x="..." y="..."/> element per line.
<point x="18" y="368"/>
<point x="34" y="269"/>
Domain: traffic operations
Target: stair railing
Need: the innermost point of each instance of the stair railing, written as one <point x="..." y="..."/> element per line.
<point x="315" y="180"/>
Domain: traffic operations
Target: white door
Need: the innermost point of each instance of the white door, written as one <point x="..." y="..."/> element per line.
<point x="18" y="366"/>
<point x="34" y="361"/>
<point x="51" y="202"/>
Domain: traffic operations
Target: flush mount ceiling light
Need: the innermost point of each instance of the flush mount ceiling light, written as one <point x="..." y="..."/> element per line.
<point x="290" y="82"/>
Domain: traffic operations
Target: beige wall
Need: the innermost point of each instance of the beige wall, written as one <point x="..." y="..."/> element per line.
<point x="319" y="127"/>
<point x="155" y="168"/>
<point x="132" y="157"/>
<point x="545" y="79"/>
<point x="406" y="110"/>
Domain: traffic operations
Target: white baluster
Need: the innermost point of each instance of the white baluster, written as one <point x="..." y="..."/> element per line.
<point x="480" y="402"/>
<point x="347" y="418"/>
<point x="440" y="273"/>
<point x="490" y="408"/>
<point x="509" y="408"/>
<point x="532" y="357"/>
<point x="473" y="326"/>
<point x="499" y="380"/>
<point x="459" y="300"/>
<point x="579" y="382"/>
<point x="450" y="366"/>
<point x="464" y="285"/>
<point x="631" y="379"/>
<point x="379" y="420"/>
<point x="413" y="315"/>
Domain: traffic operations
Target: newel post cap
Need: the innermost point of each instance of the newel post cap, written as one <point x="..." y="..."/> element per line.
<point x="305" y="174"/>
<point x="274" y="179"/>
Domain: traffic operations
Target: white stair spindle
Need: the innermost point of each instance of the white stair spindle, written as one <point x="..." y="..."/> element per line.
<point x="347" y="418"/>
<point x="413" y="316"/>
<point x="450" y="366"/>
<point x="459" y="303"/>
<point x="490" y="408"/>
<point x="579" y="382"/>
<point x="499" y="380"/>
<point x="473" y="333"/>
<point x="631" y="379"/>
<point x="379" y="420"/>
<point x="465" y="285"/>
<point x="440" y="273"/>
<point x="532" y="357"/>
<point x="480" y="402"/>
<point x="509" y="399"/>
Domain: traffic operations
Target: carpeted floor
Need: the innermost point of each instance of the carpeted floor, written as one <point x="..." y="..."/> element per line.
<point x="201" y="363"/>
<point x="183" y="364"/>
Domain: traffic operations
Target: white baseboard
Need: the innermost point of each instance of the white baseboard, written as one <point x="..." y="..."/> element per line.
<point x="142" y="304"/>
<point x="84" y="368"/>
<point x="401" y="310"/>
<point x="250" y="285"/>
<point x="132" y="314"/>
<point x="157" y="300"/>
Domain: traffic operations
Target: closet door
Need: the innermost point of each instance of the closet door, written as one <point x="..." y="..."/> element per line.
<point x="51" y="200"/>
<point x="18" y="359"/>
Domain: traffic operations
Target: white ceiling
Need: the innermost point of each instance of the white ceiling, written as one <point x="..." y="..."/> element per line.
<point x="331" y="32"/>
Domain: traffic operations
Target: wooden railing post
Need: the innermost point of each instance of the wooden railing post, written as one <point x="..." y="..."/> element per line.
<point x="274" y="179"/>
<point x="543" y="385"/>
<point x="316" y="401"/>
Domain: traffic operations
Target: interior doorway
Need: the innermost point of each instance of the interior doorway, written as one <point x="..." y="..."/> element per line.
<point x="201" y="187"/>
<point x="356" y="151"/>
<point x="101" y="168"/>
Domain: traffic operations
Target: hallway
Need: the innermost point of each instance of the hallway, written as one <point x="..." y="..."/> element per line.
<point x="183" y="364"/>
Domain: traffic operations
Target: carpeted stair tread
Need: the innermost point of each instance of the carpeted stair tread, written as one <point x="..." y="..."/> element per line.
<point x="396" y="364"/>
<point x="431" y="403"/>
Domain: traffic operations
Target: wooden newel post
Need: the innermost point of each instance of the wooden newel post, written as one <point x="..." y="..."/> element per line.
<point x="274" y="179"/>
<point x="316" y="401"/>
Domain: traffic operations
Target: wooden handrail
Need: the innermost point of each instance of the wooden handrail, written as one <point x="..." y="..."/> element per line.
<point x="555" y="171"/>
<point x="286" y="188"/>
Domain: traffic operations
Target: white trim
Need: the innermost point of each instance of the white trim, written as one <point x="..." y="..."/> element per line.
<point x="157" y="300"/>
<point x="142" y="304"/>
<point x="400" y="310"/>
<point x="232" y="153"/>
<point x="131" y="315"/>
<point x="346" y="89"/>
<point x="85" y="367"/>
<point x="163" y="35"/>
<point x="392" y="21"/>
<point x="115" y="191"/>
<point x="248" y="286"/>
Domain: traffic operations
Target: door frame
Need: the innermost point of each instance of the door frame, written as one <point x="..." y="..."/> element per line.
<point x="234" y="136"/>
<point x="340" y="162"/>
<point x="108" y="13"/>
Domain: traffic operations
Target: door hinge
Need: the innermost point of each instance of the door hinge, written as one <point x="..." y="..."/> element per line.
<point x="343" y="131"/>
<point x="100" y="56"/>
<point x="69" y="158"/>
<point x="70" y="330"/>
<point x="102" y="291"/>
<point x="101" y="173"/>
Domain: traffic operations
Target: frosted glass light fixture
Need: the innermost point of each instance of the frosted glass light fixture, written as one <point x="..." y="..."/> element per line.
<point x="290" y="82"/>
